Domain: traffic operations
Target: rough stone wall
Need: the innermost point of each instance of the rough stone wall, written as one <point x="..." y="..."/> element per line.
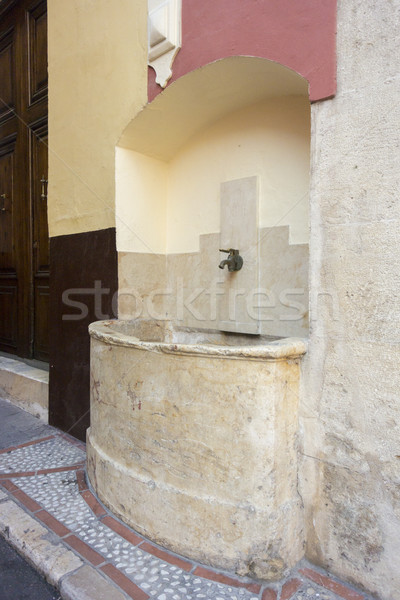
<point x="350" y="398"/>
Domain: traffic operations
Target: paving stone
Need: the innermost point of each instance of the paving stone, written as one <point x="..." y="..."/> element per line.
<point x="88" y="584"/>
<point x="328" y="584"/>
<point x="289" y="588"/>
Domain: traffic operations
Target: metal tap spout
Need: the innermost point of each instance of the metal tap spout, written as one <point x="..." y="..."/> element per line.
<point x="234" y="262"/>
<point x="224" y="262"/>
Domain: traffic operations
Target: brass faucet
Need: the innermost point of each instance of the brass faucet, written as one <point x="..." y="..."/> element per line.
<point x="234" y="260"/>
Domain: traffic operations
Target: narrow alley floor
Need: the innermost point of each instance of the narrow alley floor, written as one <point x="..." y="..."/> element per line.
<point x="51" y="516"/>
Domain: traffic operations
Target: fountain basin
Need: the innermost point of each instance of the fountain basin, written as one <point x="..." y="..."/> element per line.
<point x="193" y="441"/>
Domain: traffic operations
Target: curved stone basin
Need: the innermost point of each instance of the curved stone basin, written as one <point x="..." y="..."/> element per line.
<point x="195" y="444"/>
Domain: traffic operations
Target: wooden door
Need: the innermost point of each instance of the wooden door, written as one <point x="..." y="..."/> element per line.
<point x="24" y="254"/>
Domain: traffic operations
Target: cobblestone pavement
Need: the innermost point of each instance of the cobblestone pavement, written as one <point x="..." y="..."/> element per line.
<point x="47" y="478"/>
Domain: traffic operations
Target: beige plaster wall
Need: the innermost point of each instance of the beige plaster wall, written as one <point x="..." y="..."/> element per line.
<point x="351" y="379"/>
<point x="97" y="82"/>
<point x="166" y="206"/>
<point x="141" y="186"/>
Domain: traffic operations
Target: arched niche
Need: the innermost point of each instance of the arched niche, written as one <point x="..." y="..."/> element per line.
<point x="238" y="117"/>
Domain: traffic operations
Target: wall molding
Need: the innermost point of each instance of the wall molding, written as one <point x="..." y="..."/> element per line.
<point x="164" y="36"/>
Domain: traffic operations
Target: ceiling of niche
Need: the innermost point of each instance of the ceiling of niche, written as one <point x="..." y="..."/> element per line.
<point x="200" y="98"/>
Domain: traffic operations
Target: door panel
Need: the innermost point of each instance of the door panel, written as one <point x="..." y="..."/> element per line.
<point x="41" y="329"/>
<point x="39" y="198"/>
<point x="37" y="59"/>
<point x="7" y="242"/>
<point x="24" y="270"/>
<point x="8" y="274"/>
<point x="7" y="75"/>
<point x="39" y="159"/>
<point x="8" y="306"/>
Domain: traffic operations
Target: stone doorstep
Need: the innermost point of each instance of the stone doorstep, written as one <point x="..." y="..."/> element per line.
<point x="78" y="571"/>
<point x="25" y="386"/>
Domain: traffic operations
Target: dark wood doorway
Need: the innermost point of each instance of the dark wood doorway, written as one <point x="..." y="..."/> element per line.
<point x="24" y="238"/>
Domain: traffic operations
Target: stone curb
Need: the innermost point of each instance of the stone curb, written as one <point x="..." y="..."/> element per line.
<point x="87" y="584"/>
<point x="60" y="566"/>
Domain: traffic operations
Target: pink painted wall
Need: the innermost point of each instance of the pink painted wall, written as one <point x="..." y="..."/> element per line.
<point x="299" y="34"/>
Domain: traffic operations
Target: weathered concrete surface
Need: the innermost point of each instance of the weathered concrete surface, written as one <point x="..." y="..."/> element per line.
<point x="88" y="584"/>
<point x="18" y="426"/>
<point x="25" y="386"/>
<point x="350" y="408"/>
<point x="36" y="543"/>
<point x="196" y="447"/>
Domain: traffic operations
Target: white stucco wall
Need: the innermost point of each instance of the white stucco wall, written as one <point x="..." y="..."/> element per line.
<point x="351" y="377"/>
